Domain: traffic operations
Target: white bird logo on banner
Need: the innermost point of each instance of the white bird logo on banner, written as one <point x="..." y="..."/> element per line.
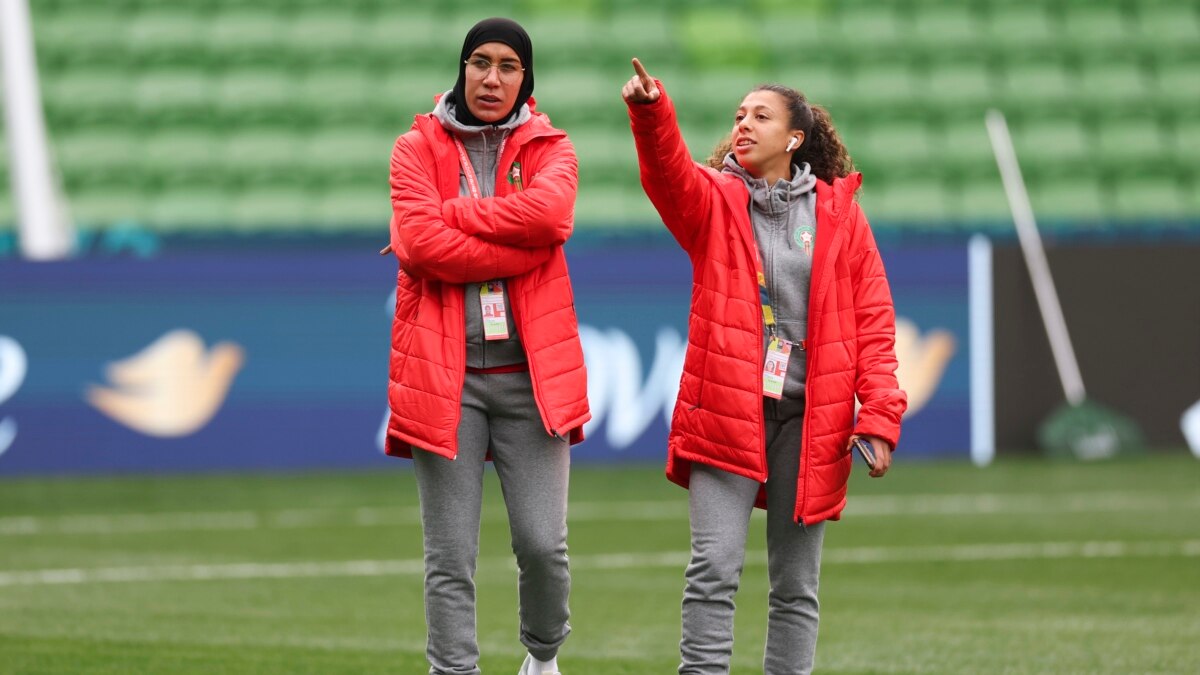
<point x="171" y="388"/>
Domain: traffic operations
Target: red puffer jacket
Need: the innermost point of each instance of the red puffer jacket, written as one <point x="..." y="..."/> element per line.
<point x="718" y="419"/>
<point x="443" y="241"/>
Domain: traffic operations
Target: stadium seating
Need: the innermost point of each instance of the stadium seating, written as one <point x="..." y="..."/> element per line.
<point x="264" y="114"/>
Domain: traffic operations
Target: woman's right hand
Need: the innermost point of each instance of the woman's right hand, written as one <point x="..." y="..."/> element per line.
<point x="640" y="88"/>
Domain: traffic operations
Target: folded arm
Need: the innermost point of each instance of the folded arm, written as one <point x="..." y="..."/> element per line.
<point x="428" y="247"/>
<point x="542" y="214"/>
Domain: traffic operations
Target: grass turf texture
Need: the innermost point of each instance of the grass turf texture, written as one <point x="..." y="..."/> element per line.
<point x="1025" y="567"/>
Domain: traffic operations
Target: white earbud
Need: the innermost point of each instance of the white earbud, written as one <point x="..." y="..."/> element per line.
<point x="791" y="144"/>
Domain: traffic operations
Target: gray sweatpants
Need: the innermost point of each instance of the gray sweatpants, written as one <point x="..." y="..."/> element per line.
<point x="498" y="411"/>
<point x="720" y="508"/>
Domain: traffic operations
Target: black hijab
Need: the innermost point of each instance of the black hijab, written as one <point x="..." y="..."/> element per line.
<point x="510" y="33"/>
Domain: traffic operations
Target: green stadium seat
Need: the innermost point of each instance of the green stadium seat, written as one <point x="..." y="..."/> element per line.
<point x="965" y="148"/>
<point x="1017" y="26"/>
<point x="1148" y="198"/>
<point x="579" y="94"/>
<point x="167" y="35"/>
<point x="1168" y="24"/>
<point x="271" y="207"/>
<point x="152" y="101"/>
<point x="246" y="36"/>
<point x="1037" y="87"/>
<point x="1131" y="146"/>
<point x="100" y="205"/>
<point x="337" y="94"/>
<point x="962" y="84"/>
<point x="1046" y="142"/>
<point x="173" y="95"/>
<point x="893" y="148"/>
<point x="1186" y="144"/>
<point x="812" y="35"/>
<point x="720" y="38"/>
<point x="407" y="38"/>
<point x="1068" y="198"/>
<point x="876" y="27"/>
<point x="84" y="36"/>
<point x="189" y="207"/>
<point x="87" y="96"/>
<point x="984" y="199"/>
<point x="702" y="139"/>
<point x="182" y="155"/>
<point x="1096" y="26"/>
<point x="645" y="32"/>
<point x="327" y="35"/>
<point x="880" y="86"/>
<point x="607" y="205"/>
<point x="821" y="83"/>
<point x="605" y="156"/>
<point x="1106" y="84"/>
<point x="344" y="207"/>
<point x="938" y="27"/>
<point x="919" y="201"/>
<point x="343" y="154"/>
<point x="258" y="95"/>
<point x="1177" y="87"/>
<point x="411" y="92"/>
<point x="97" y="154"/>
<point x="573" y="37"/>
<point x="712" y="98"/>
<point x="263" y="155"/>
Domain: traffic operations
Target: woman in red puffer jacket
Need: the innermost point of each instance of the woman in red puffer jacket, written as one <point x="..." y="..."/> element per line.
<point x="486" y="360"/>
<point x="791" y="319"/>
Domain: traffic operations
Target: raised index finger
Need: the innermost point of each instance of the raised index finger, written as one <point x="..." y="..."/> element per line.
<point x="647" y="81"/>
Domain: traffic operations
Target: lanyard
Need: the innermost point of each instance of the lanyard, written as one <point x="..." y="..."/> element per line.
<point x="764" y="297"/>
<point x="468" y="169"/>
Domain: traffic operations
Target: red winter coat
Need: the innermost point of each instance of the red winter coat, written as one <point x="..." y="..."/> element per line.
<point x="718" y="419"/>
<point x="444" y="241"/>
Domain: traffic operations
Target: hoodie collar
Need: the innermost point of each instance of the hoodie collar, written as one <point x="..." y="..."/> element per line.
<point x="802" y="182"/>
<point x="444" y="112"/>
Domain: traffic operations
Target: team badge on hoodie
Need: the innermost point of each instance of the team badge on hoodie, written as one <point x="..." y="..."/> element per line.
<point x="805" y="236"/>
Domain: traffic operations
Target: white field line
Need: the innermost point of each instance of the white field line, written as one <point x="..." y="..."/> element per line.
<point x="864" y="555"/>
<point x="864" y="506"/>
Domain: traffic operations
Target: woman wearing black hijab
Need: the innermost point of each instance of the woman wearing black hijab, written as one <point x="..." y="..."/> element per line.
<point x="486" y="361"/>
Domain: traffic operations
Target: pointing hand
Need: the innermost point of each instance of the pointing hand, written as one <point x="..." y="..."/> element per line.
<point x="640" y="88"/>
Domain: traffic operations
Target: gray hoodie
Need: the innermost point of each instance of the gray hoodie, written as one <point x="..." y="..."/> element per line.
<point x="785" y="228"/>
<point x="483" y="147"/>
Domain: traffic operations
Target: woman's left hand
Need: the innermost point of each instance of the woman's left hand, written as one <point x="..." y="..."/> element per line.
<point x="883" y="453"/>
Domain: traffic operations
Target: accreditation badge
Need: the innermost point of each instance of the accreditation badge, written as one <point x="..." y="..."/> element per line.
<point x="775" y="367"/>
<point x="491" y="304"/>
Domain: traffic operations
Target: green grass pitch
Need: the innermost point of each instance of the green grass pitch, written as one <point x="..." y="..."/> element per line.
<point x="1025" y="567"/>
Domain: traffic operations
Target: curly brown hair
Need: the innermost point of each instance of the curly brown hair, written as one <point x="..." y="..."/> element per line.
<point x="822" y="147"/>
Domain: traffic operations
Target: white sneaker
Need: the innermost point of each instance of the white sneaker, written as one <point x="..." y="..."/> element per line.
<point x="532" y="666"/>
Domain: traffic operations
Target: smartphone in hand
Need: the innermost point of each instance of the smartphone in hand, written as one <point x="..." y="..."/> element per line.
<point x="868" y="453"/>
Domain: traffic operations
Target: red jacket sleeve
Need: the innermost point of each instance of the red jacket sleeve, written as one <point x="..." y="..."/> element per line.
<point x="430" y="248"/>
<point x="883" y="402"/>
<point x="540" y="215"/>
<point x="675" y="184"/>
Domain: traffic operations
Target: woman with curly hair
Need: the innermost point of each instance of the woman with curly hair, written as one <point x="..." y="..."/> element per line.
<point x="791" y="320"/>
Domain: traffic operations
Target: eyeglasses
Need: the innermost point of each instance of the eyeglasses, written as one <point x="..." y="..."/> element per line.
<point x="508" y="71"/>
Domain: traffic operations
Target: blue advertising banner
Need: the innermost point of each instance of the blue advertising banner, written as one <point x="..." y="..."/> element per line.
<point x="253" y="359"/>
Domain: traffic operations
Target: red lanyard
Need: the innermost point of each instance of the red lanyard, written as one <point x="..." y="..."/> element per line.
<point x="468" y="169"/>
